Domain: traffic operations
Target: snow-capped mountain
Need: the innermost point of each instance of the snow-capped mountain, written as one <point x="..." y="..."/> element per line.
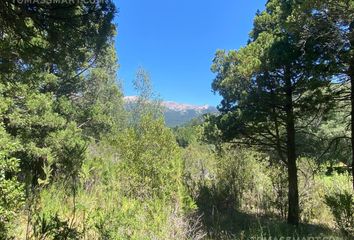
<point x="184" y="107"/>
<point x="179" y="113"/>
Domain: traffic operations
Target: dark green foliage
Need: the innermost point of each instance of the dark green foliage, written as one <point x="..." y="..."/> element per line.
<point x="238" y="193"/>
<point x="100" y="109"/>
<point x="44" y="51"/>
<point x="342" y="207"/>
<point x="53" y="227"/>
<point x="50" y="46"/>
<point x="60" y="38"/>
<point x="188" y="133"/>
<point x="11" y="190"/>
<point x="332" y="22"/>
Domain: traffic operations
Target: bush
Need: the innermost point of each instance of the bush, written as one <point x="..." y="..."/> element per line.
<point x="150" y="160"/>
<point x="128" y="189"/>
<point x="312" y="189"/>
<point x="277" y="195"/>
<point x="11" y="190"/>
<point x="342" y="207"/>
<point x="52" y="227"/>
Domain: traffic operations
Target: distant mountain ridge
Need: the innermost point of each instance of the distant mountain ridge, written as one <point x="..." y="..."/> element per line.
<point x="184" y="107"/>
<point x="177" y="114"/>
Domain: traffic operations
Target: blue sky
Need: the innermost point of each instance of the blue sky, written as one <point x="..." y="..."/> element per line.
<point x="175" y="41"/>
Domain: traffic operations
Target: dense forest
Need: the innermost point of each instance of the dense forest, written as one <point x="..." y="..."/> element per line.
<point x="276" y="161"/>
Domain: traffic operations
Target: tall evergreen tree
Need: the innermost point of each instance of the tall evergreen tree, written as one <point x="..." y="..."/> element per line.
<point x="268" y="90"/>
<point x="44" y="51"/>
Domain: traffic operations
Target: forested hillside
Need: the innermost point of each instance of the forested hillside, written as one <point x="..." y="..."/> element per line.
<point x="276" y="161"/>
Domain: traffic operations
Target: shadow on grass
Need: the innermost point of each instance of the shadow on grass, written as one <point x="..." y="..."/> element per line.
<point x="222" y="221"/>
<point x="231" y="224"/>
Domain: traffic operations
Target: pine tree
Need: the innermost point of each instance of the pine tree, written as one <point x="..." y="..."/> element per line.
<point x="269" y="88"/>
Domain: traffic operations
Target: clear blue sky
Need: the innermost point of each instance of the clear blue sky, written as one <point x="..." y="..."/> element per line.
<point x="175" y="41"/>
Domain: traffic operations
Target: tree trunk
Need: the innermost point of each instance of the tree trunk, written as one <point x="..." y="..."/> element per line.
<point x="293" y="194"/>
<point x="351" y="78"/>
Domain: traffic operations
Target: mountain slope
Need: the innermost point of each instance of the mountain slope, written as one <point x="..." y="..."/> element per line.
<point x="178" y="113"/>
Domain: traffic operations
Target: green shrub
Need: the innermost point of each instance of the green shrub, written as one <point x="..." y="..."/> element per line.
<point x="52" y="227"/>
<point x="277" y="196"/>
<point x="129" y="189"/>
<point x="312" y="190"/>
<point x="150" y="160"/>
<point x="11" y="190"/>
<point x="342" y="207"/>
